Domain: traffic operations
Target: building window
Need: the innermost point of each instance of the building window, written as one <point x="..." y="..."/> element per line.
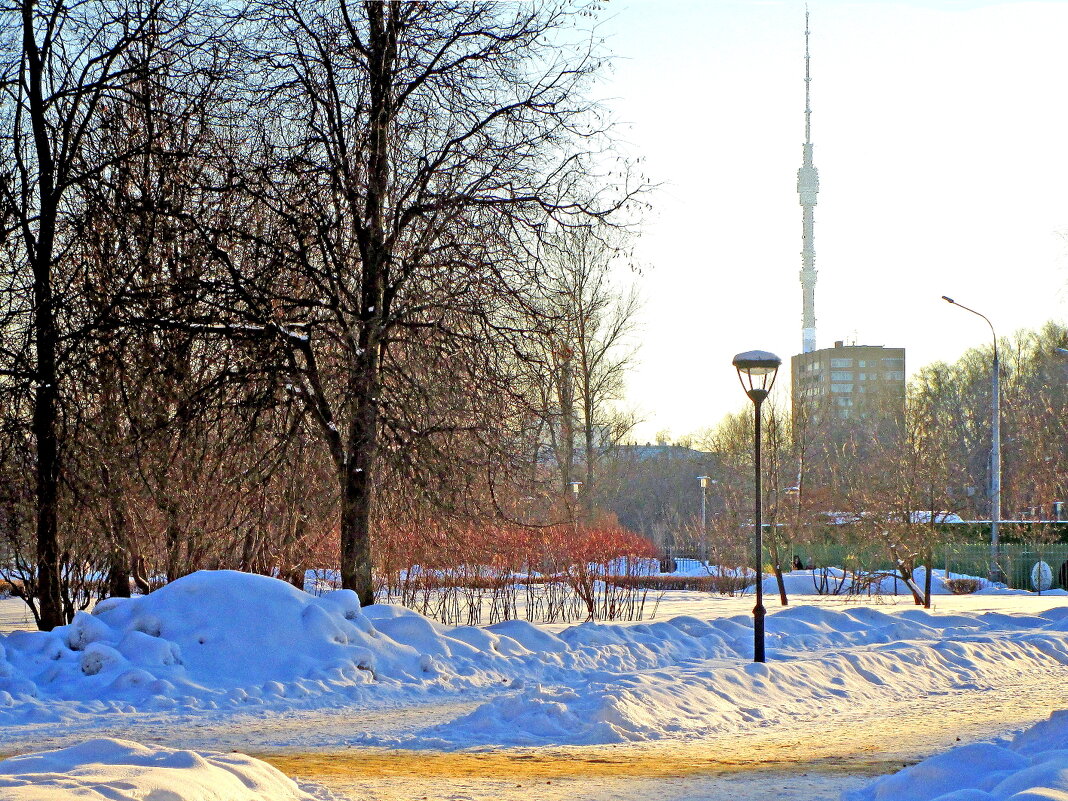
<point x="844" y="401"/>
<point x="891" y="364"/>
<point x="895" y="375"/>
<point x="841" y="376"/>
<point x="841" y="387"/>
<point x="841" y="363"/>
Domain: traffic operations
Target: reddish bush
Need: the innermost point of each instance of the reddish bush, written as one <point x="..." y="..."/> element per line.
<point x="460" y="572"/>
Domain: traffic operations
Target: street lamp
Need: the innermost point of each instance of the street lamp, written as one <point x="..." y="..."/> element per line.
<point x="756" y="372"/>
<point x="995" y="450"/>
<point x="705" y="481"/>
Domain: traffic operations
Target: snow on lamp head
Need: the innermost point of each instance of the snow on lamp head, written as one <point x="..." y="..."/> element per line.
<point x="756" y="372"/>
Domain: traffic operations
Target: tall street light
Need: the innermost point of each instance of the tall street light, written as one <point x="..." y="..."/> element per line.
<point x="575" y="486"/>
<point x="995" y="450"/>
<point x="705" y="480"/>
<point x="756" y="372"/>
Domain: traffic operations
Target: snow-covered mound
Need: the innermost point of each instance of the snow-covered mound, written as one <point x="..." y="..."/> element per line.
<point x="1033" y="766"/>
<point x="117" y="770"/>
<point x="218" y="638"/>
<point x="883" y="658"/>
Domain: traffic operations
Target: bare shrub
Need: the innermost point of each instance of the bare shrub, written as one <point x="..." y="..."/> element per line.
<point x="963" y="586"/>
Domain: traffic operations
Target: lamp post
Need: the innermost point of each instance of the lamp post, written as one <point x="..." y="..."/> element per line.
<point x="995" y="450"/>
<point x="705" y="481"/>
<point x="756" y="372"/>
<point x="574" y="485"/>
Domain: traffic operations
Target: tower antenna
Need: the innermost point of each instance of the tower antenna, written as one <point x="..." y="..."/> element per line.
<point x="808" y="185"/>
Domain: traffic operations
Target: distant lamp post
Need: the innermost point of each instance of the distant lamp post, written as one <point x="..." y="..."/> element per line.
<point x="705" y="481"/>
<point x="996" y="573"/>
<point x="756" y="372"/>
<point x="575" y="485"/>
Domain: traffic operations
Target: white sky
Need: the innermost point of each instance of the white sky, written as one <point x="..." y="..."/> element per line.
<point x="941" y="139"/>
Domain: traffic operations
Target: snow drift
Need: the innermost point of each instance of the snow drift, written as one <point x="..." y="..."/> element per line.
<point x="117" y="770"/>
<point x="228" y="642"/>
<point x="1033" y="766"/>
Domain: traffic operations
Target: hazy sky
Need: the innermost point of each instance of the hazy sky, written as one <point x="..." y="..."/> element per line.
<point x="941" y="139"/>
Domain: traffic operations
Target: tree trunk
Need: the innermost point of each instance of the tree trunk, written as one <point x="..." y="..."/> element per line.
<point x="137" y="564"/>
<point x="362" y="445"/>
<point x="49" y="594"/>
<point x="173" y="538"/>
<point x="356" y="528"/>
<point x="927" y="581"/>
<point x="782" y="584"/>
<point x="118" y="574"/>
<point x="45" y="406"/>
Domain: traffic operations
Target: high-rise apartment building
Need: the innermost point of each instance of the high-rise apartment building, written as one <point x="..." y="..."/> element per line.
<point x="848" y="383"/>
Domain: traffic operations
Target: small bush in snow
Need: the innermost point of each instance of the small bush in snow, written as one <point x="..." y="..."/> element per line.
<point x="963" y="586"/>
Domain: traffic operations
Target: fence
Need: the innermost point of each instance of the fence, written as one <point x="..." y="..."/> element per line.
<point x="957" y="559"/>
<point x="1017" y="560"/>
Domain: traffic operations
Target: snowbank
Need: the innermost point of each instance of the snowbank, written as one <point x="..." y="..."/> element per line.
<point x="222" y="639"/>
<point x="688" y="678"/>
<point x="1033" y="766"/>
<point x="227" y="642"/>
<point x="117" y="770"/>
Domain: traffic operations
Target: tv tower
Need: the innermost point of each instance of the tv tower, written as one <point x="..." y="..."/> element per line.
<point x="808" y="185"/>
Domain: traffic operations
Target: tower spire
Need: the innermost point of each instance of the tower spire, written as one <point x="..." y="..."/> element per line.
<point x="808" y="185"/>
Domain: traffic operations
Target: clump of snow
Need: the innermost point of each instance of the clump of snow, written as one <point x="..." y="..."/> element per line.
<point x="1034" y="765"/>
<point x="118" y="770"/>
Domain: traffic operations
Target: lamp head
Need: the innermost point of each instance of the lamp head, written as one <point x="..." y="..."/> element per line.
<point x="756" y="372"/>
<point x="948" y="299"/>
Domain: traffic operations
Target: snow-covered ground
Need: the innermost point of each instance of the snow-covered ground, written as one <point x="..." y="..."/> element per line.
<point x="110" y="770"/>
<point x="382" y="703"/>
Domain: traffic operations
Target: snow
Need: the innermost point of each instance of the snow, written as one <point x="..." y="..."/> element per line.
<point x="1033" y="765"/>
<point x="118" y="770"/>
<point x="223" y="659"/>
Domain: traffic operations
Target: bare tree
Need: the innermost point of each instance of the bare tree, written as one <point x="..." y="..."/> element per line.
<point x="412" y="156"/>
<point x="590" y="351"/>
<point x="65" y="68"/>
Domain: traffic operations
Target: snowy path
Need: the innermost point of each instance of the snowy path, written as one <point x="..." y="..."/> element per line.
<point x="809" y="759"/>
